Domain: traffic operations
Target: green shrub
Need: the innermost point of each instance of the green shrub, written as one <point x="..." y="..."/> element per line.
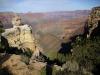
<point x="86" y="52"/>
<point x="63" y="58"/>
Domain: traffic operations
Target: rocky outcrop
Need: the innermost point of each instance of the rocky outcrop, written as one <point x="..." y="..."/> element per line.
<point x="16" y="66"/>
<point x="20" y="36"/>
<point x="93" y="21"/>
<point x="71" y="66"/>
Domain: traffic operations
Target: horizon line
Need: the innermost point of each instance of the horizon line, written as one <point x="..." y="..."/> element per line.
<point x="46" y="11"/>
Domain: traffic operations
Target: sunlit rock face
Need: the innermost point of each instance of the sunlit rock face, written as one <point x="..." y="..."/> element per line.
<point x="20" y="35"/>
<point x="16" y="66"/>
<point x="94" y="21"/>
<point x="16" y="21"/>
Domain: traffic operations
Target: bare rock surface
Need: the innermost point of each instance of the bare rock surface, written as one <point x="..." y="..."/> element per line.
<point x="16" y="66"/>
<point x="20" y="36"/>
<point x="93" y="20"/>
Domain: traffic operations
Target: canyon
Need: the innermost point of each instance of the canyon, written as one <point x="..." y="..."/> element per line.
<point x="61" y="43"/>
<point x="50" y="26"/>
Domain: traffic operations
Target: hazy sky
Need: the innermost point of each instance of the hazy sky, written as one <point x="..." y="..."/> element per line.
<point x="46" y="5"/>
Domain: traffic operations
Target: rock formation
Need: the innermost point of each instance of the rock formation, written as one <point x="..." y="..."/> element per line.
<point x="16" y="66"/>
<point x="94" y="20"/>
<point x="20" y="36"/>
